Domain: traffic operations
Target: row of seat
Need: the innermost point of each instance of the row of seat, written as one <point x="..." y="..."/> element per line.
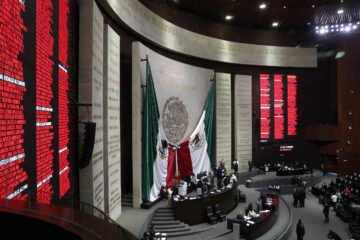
<point x="345" y="208"/>
<point x="214" y="214"/>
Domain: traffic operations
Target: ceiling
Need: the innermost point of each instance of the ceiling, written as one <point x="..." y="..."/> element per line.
<point x="288" y="13"/>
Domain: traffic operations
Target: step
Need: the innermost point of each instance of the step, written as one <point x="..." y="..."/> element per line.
<point x="158" y="214"/>
<point x="169" y="227"/>
<point x="157" y="218"/>
<point x="165" y="210"/>
<point x="165" y="222"/>
<point x="177" y="230"/>
<point x="127" y="204"/>
<point x="179" y="234"/>
<point x="127" y="200"/>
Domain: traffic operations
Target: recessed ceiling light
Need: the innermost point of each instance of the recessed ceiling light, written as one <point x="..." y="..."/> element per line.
<point x="284" y="6"/>
<point x="313" y="6"/>
<point x="309" y="23"/>
<point x="340" y="11"/>
<point x="275" y="24"/>
<point x="228" y="17"/>
<point x="262" y="6"/>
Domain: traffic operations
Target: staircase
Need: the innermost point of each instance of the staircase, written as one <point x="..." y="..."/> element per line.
<point x="127" y="200"/>
<point x="164" y="222"/>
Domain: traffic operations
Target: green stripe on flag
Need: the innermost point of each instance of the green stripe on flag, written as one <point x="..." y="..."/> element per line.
<point x="150" y="131"/>
<point x="210" y="124"/>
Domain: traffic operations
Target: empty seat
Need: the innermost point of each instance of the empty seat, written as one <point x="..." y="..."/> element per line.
<point x="220" y="216"/>
<point x="210" y="216"/>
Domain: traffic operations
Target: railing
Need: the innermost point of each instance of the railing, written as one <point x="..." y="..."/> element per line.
<point x="81" y="218"/>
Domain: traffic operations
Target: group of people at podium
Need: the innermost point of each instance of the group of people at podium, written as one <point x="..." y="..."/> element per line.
<point x="263" y="204"/>
<point x="200" y="184"/>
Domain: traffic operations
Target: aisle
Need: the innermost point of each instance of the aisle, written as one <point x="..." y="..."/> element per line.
<point x="313" y="218"/>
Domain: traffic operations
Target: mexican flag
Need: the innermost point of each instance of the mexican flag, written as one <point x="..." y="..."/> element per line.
<point x="195" y="155"/>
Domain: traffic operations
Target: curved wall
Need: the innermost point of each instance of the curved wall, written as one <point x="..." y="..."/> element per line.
<point x="314" y="107"/>
<point x="172" y="37"/>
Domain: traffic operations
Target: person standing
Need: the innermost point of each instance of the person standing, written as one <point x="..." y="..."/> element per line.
<point x="295" y="196"/>
<point x="236" y="166"/>
<point x="334" y="200"/>
<point x="302" y="196"/>
<point x="326" y="212"/>
<point x="300" y="230"/>
<point x="250" y="163"/>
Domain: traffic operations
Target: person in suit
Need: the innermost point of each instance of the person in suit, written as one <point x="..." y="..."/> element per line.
<point x="295" y="196"/>
<point x="240" y="216"/>
<point x="302" y="196"/>
<point x="146" y="236"/>
<point x="152" y="232"/>
<point x="236" y="166"/>
<point x="250" y="163"/>
<point x="300" y="230"/>
<point x="259" y="204"/>
<point x="326" y="212"/>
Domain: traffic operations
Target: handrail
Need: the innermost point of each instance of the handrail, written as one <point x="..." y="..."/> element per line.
<point x="52" y="208"/>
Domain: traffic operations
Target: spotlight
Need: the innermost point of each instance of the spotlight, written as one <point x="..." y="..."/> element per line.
<point x="262" y="6"/>
<point x="355" y="27"/>
<point x="275" y="24"/>
<point x="347" y="29"/>
<point x="340" y="11"/>
<point x="229" y="17"/>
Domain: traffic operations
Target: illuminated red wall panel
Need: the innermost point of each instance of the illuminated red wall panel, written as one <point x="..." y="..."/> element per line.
<point x="292" y="108"/>
<point x="64" y="167"/>
<point x="278" y="107"/>
<point x="265" y="119"/>
<point x="44" y="96"/>
<point x="13" y="179"/>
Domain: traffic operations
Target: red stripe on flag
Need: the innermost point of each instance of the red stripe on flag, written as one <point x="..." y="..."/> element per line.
<point x="184" y="159"/>
<point x="171" y="168"/>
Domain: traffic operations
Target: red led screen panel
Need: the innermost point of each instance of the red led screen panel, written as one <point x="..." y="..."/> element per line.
<point x="278" y="107"/>
<point x="265" y="106"/>
<point x="63" y="109"/>
<point x="292" y="107"/>
<point x="44" y="96"/>
<point x="13" y="178"/>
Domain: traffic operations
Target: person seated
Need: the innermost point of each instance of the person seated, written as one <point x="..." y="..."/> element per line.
<point x="233" y="178"/>
<point x="152" y="232"/>
<point x="259" y="204"/>
<point x="240" y="216"/>
<point x="205" y="190"/>
<point x="333" y="235"/>
<point x="147" y="236"/>
<point x="163" y="193"/>
<point x="253" y="214"/>
<point x="347" y="192"/>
